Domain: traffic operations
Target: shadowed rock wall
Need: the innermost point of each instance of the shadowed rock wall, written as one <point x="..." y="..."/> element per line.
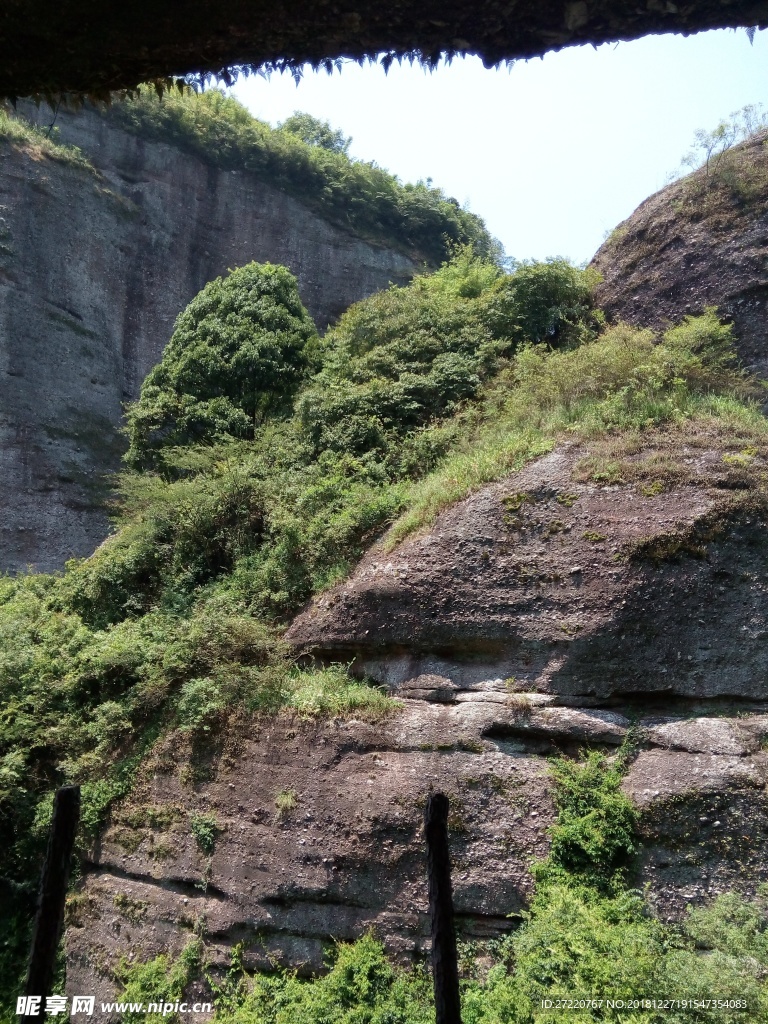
<point x="117" y="46"/>
<point x="94" y="269"/>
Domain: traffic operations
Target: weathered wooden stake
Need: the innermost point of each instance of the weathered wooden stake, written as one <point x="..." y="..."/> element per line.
<point x="53" y="892"/>
<point x="445" y="969"/>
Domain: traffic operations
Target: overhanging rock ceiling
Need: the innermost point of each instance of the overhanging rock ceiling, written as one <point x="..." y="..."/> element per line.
<point x="96" y="46"/>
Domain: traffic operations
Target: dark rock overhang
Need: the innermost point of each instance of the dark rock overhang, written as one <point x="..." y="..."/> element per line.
<point x="93" y="47"/>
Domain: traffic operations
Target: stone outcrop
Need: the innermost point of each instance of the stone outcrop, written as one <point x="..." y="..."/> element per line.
<point x="565" y="606"/>
<point x="542" y="614"/>
<point x="701" y="241"/>
<point x="94" y="268"/>
<point x="591" y="593"/>
<point x="346" y="854"/>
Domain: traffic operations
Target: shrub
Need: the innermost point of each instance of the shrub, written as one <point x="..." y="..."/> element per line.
<point x="712" y="146"/>
<point x="594" y="836"/>
<point x="315" y="132"/>
<point x="285" y="801"/>
<point x="205" y="828"/>
<point x="39" y="141"/>
<point x="410" y="356"/>
<point x="237" y="354"/>
<point x="361" y="986"/>
<point x="547" y="301"/>
<point x="161" y="980"/>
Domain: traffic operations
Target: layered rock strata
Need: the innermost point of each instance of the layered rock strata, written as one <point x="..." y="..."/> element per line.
<point x="589" y="593"/>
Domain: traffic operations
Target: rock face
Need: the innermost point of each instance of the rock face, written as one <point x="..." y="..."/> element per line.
<point x="701" y="241"/>
<point x="346" y="858"/>
<point x="541" y="614"/>
<point x="94" y="269"/>
<point x="565" y="588"/>
<point x="112" y="50"/>
<point x="347" y="853"/>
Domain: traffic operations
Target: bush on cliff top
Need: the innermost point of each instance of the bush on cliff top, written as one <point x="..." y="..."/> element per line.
<point x="237" y="355"/>
<point x="358" y="196"/>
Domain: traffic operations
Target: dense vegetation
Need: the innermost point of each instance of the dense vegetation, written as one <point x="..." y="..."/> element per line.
<point x="313" y="166"/>
<point x="248" y="496"/>
<point x="587" y="937"/>
<point x="237" y="355"/>
<point x="316" y="132"/>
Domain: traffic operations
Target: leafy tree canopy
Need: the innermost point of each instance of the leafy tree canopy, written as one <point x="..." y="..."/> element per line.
<point x="237" y="355"/>
<point x="406" y="356"/>
<point x="315" y="132"/>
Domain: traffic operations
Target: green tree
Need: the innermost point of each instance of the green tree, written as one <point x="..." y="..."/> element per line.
<point x="237" y="355"/>
<point x="550" y="301"/>
<point x="315" y="132"/>
<point x="711" y="146"/>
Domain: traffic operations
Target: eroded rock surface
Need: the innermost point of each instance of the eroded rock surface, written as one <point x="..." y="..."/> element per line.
<point x="699" y="242"/>
<point x="319" y="825"/>
<point x="346" y="853"/>
<point x="347" y="857"/>
<point x="581" y="591"/>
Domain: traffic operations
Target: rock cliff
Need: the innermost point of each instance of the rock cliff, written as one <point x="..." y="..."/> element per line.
<point x="542" y="613"/>
<point x="699" y="242"/>
<point x="614" y="592"/>
<point x="589" y="593"/>
<point x="95" y="265"/>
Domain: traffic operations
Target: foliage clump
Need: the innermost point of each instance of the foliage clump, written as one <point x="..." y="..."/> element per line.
<point x="409" y="356"/>
<point x="237" y="355"/>
<point x="161" y="980"/>
<point x="205" y="828"/>
<point x="595" y="832"/>
<point x="315" y="132"/>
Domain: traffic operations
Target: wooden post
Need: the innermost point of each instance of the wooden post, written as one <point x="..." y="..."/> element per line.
<point x="445" y="969"/>
<point x="53" y="892"/>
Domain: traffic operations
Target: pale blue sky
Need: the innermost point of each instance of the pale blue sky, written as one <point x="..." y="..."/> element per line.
<point x="552" y="153"/>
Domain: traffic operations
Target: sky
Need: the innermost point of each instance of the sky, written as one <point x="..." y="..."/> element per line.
<point x="552" y="153"/>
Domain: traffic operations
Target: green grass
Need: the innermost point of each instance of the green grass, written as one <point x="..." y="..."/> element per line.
<point x="39" y="143"/>
<point x="285" y="801"/>
<point x="624" y="382"/>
